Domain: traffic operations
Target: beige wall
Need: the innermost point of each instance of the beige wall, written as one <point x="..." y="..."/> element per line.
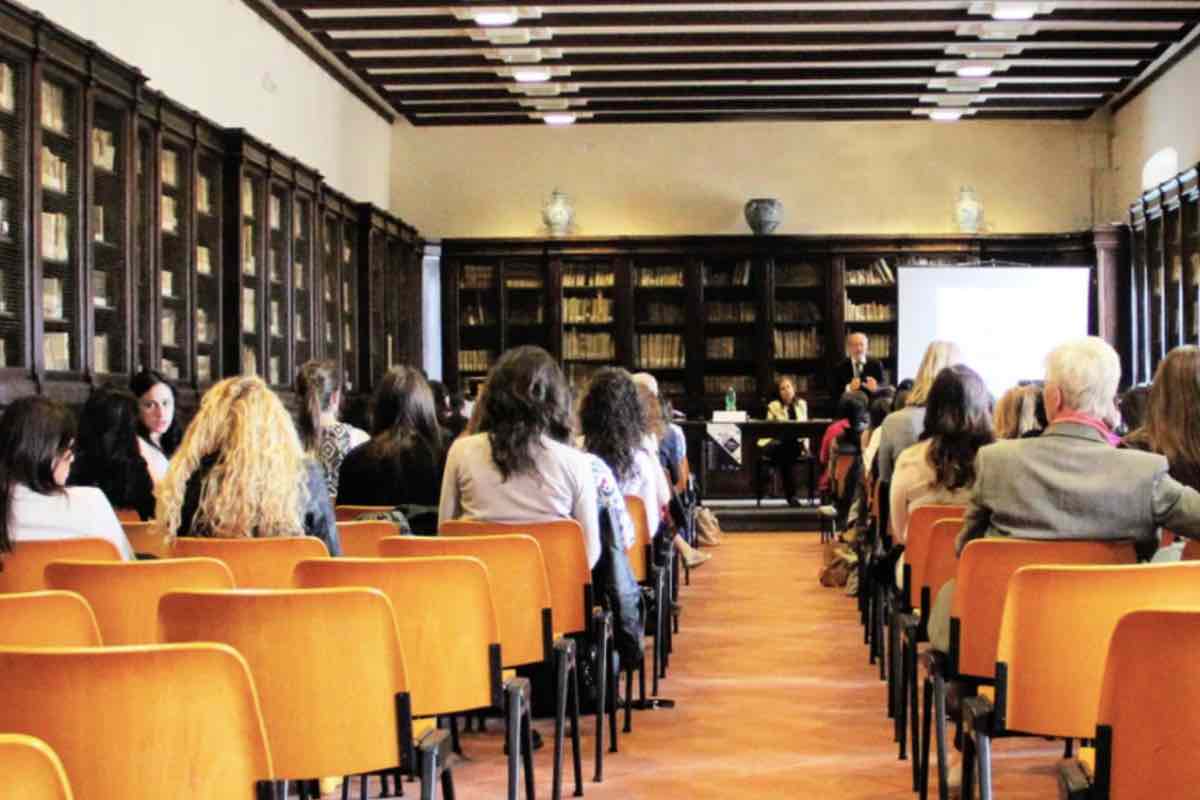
<point x="1165" y="115"/>
<point x="694" y="179"/>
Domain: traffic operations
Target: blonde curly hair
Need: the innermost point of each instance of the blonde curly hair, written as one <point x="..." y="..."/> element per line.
<point x="256" y="487"/>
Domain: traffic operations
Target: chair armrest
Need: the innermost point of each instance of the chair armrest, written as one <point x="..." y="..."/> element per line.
<point x="978" y="715"/>
<point x="1073" y="783"/>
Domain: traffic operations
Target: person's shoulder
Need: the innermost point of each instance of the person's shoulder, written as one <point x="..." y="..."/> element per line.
<point x="357" y="435"/>
<point x="913" y="454"/>
<point x="87" y="497"/>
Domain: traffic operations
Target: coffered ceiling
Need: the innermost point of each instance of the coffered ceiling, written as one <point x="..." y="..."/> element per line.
<point x="604" y="61"/>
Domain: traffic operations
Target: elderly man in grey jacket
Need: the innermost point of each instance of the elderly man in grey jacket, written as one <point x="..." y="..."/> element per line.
<point x="1072" y="482"/>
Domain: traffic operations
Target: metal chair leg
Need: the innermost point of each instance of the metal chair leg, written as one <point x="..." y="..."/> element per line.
<point x="925" y="740"/>
<point x="939" y="710"/>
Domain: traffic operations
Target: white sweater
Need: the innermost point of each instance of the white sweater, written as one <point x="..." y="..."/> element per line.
<point x="79" y="512"/>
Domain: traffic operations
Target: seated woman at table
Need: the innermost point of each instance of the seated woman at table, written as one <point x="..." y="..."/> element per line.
<point x="781" y="454"/>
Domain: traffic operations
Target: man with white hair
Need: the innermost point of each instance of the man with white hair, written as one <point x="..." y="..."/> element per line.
<point x="859" y="372"/>
<point x="1071" y="482"/>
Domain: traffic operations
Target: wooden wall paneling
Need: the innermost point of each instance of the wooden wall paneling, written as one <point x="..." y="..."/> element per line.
<point x="1189" y="253"/>
<point x="1172" y="265"/>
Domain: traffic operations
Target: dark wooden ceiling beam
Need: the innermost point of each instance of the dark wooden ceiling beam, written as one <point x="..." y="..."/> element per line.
<point x="627" y="119"/>
<point x="684" y="104"/>
<point x="412" y="5"/>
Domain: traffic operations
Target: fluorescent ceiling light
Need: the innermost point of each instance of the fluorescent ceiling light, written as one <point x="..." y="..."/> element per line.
<point x="974" y="71"/>
<point x="542" y="89"/>
<point x="953" y="100"/>
<point x="945" y="115"/>
<point x="1012" y="10"/>
<point x="965" y="85"/>
<point x="523" y="55"/>
<point x="983" y="50"/>
<point x="531" y="75"/>
<point x="553" y="104"/>
<point x="559" y="118"/>
<point x="998" y="31"/>
<point x="508" y="37"/>
<point x="973" y="68"/>
<point x="495" y="16"/>
<point x="495" y="19"/>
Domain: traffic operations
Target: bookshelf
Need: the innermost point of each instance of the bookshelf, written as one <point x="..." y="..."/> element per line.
<point x="339" y="300"/>
<point x="14" y="144"/>
<point x="404" y="285"/>
<point x="800" y="318"/>
<point x="660" y="285"/>
<point x="303" y="234"/>
<point x="248" y="274"/>
<point x="591" y="315"/>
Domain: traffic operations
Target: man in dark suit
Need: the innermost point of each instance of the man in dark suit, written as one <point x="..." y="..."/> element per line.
<point x="859" y="372"/>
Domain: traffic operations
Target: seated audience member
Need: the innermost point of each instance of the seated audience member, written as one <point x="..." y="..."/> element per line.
<point x="36" y="440"/>
<point x="159" y="431"/>
<point x="402" y="463"/>
<point x="851" y="416"/>
<point x="517" y="466"/>
<point x="672" y="450"/>
<point x="456" y="422"/>
<point x="1171" y="423"/>
<point x="784" y="452"/>
<point x="1016" y="412"/>
<point x="940" y="468"/>
<point x="1135" y="402"/>
<point x="324" y="436"/>
<point x="242" y="472"/>
<point x="902" y="428"/>
<point x="107" y="454"/>
<point x="881" y="406"/>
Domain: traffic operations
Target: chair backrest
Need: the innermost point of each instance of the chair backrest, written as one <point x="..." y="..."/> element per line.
<point x="567" y="568"/>
<point x="1191" y="550"/>
<point x="47" y="619"/>
<point x="328" y="665"/>
<point x="843" y="463"/>
<point x="639" y="555"/>
<point x="984" y="569"/>
<point x="148" y="539"/>
<point x="916" y="545"/>
<point x="361" y="539"/>
<point x="124" y="594"/>
<point x="446" y="619"/>
<point x="127" y="515"/>
<point x="31" y="769"/>
<point x="520" y="588"/>
<point x="1149" y="706"/>
<point x="24" y="568"/>
<point x="256" y="563"/>
<point x="941" y="562"/>
<point x="350" y="513"/>
<point x="1054" y="636"/>
<point x="141" y="722"/>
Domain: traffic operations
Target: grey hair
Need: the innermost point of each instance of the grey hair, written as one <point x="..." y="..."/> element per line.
<point x="1087" y="372"/>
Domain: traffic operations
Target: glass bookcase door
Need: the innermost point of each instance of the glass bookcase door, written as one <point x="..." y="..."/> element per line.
<point x="798" y="326"/>
<point x="730" y="287"/>
<point x="331" y="317"/>
<point x="61" y="140"/>
<point x="400" y="299"/>
<point x="109" y="226"/>
<point x="349" y="302"/>
<point x="302" y="282"/>
<point x="175" y="177"/>
<point x="250" y="295"/>
<point x="479" y="322"/>
<point x="870" y="300"/>
<point x="1190" y="265"/>
<point x="279" y="259"/>
<point x="207" y="323"/>
<point x="13" y="157"/>
<point x="144" y="206"/>
<point x="660" y="323"/>
<point x="525" y="312"/>
<point x="383" y="338"/>
<point x="588" y="320"/>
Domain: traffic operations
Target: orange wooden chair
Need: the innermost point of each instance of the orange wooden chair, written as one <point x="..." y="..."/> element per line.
<point x="351" y="513"/>
<point x="1054" y="638"/>
<point x="571" y="596"/>
<point x="361" y="539"/>
<point x="148" y="539"/>
<point x="127" y="515"/>
<point x="641" y="562"/>
<point x="330" y="658"/>
<point x="23" y="569"/>
<point x="124" y="594"/>
<point x="47" y="619"/>
<point x="143" y="722"/>
<point x="255" y="563"/>
<point x="31" y="769"/>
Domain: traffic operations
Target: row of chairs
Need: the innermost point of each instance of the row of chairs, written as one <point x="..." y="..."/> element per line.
<point x="1039" y="644"/>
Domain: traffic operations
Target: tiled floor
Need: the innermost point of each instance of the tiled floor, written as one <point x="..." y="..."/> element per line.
<point x="775" y="699"/>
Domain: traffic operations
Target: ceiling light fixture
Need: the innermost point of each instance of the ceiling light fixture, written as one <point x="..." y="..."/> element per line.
<point x="953" y="100"/>
<point x="524" y="55"/>
<point x="998" y="31"/>
<point x="1012" y="10"/>
<point x="983" y="50"/>
<point x="973" y="68"/>
<point x="963" y="85"/>
<point x="496" y="16"/>
<point x="542" y="89"/>
<point x="945" y="115"/>
<point x="495" y="19"/>
<point x="508" y="37"/>
<point x="534" y="73"/>
<point x="974" y="71"/>
<point x="560" y="118"/>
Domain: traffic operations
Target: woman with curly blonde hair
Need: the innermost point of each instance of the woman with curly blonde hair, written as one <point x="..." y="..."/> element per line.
<point x="241" y="471"/>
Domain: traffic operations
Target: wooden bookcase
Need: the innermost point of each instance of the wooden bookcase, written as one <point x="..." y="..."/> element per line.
<point x="390" y="288"/>
<point x="706" y="313"/>
<point x="339" y="281"/>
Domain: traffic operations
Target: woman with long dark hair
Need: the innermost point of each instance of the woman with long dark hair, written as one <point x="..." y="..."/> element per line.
<point x="1171" y="426"/>
<point x="324" y="436"/>
<point x="159" y="431"/>
<point x="37" y="437"/>
<point x="517" y="466"/>
<point x="940" y="468"/>
<point x="402" y="463"/>
<point x="107" y="454"/>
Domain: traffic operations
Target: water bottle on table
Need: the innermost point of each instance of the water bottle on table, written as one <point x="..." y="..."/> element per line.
<point x="730" y="400"/>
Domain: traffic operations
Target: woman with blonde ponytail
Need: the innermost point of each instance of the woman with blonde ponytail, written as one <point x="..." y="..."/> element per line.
<point x="242" y="472"/>
<point x="324" y="436"/>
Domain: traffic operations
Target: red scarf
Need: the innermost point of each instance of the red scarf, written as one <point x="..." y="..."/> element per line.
<point x="1079" y="418"/>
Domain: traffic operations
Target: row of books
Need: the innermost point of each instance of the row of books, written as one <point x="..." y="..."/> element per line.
<point x="660" y="351"/>
<point x="8" y="88"/>
<point x="658" y="313"/>
<point x="881" y="346"/>
<point x="719" y="384"/>
<point x="3" y="352"/>
<point x="474" y="360"/>
<point x="55" y="236"/>
<point x="203" y="194"/>
<point x="54" y="107"/>
<point x="247" y="198"/>
<point x="797" y="275"/>
<point x="660" y="276"/>
<point x="169" y="164"/>
<point x="588" y="346"/>
<point x="801" y="382"/>
<point x="104" y="149"/>
<point x="869" y="312"/>
<point x="598" y="309"/>
<point x="807" y="343"/>
<point x="600" y="277"/>
<point x="728" y="347"/>
<point x="797" y="311"/>
<point x="739" y="275"/>
<point x="170" y="215"/>
<point x="477" y="276"/>
<point x="56" y="351"/>
<point x="877" y="273"/>
<point x="249" y="260"/>
<point x="476" y="314"/>
<point x="55" y="172"/>
<point x="522" y="278"/>
<point x="526" y="314"/>
<point x="729" y="312"/>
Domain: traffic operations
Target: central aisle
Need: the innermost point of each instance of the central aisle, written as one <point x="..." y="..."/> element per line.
<point x="775" y="700"/>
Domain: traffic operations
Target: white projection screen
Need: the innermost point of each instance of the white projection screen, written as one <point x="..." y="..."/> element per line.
<point x="1005" y="319"/>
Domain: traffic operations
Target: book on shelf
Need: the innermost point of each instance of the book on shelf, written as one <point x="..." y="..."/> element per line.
<point x="104" y="150"/>
<point x="730" y="312"/>
<point x="328" y="288"/>
<point x="807" y="343"/>
<point x="170" y="167"/>
<point x="8" y="88"/>
<point x="5" y="224"/>
<point x="203" y="194"/>
<point x="54" y="107"/>
<point x="100" y="362"/>
<point x="588" y="310"/>
<point x="275" y="212"/>
<point x="55" y="236"/>
<point x="347" y="254"/>
<point x="203" y="367"/>
<point x="52" y="298"/>
<point x="588" y="346"/>
<point x="725" y="347"/>
<point x="298" y="222"/>
<point x="98" y="224"/>
<point x="329" y="338"/>
<point x="660" y="277"/>
<point x="99" y="288"/>
<point x="249" y="262"/>
<point x="474" y="360"/>
<point x="275" y="370"/>
<point x="276" y="319"/>
<point x="170" y="214"/>
<point x="56" y="350"/>
<point x="168" y="328"/>
<point x="476" y="276"/>
<point x="169" y="368"/>
<point x="877" y="273"/>
<point x="656" y="313"/>
<point x="301" y="328"/>
<point x="475" y="314"/>
<point x="522" y="278"/>
<point x="881" y="346"/>
<point x="797" y="311"/>
<point x="203" y="260"/>
<point x="660" y="351"/>
<point x="346" y="296"/>
<point x="797" y="275"/>
<point x="298" y="282"/>
<point x="249" y="310"/>
<point x="166" y="280"/>
<point x="249" y="360"/>
<point x="247" y="198"/>
<point x="738" y="275"/>
<point x="55" y="172"/>
<point x="347" y="337"/>
<point x="274" y="266"/>
<point x="869" y="312"/>
<point x="719" y="384"/>
<point x="202" y="332"/>
<point x="589" y="277"/>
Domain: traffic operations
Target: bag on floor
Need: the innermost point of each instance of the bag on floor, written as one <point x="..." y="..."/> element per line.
<point x="708" y="530"/>
<point x="841" y="561"/>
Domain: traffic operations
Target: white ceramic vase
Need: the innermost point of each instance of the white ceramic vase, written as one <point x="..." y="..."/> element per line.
<point x="968" y="212"/>
<point x="558" y="213"/>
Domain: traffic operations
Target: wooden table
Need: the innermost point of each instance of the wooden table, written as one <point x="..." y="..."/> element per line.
<point x="740" y="483"/>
